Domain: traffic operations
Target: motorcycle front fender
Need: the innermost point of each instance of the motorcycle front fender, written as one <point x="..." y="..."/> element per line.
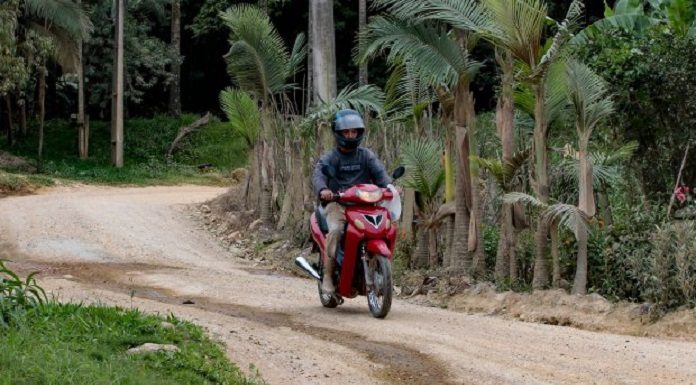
<point x="379" y="246"/>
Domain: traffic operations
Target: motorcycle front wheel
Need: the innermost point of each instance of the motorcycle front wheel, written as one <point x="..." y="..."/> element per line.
<point x="379" y="296"/>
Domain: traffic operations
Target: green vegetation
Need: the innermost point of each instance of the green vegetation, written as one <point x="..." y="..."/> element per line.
<point x="147" y="142"/>
<point x="50" y="343"/>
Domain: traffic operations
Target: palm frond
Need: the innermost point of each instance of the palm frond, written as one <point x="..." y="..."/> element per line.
<point x="495" y="167"/>
<point x="589" y="95"/>
<point x="567" y="216"/>
<point x="520" y="26"/>
<point x="556" y="92"/>
<point x="257" y="61"/>
<point x="242" y="112"/>
<point x="60" y="14"/>
<point x="432" y="52"/>
<point x="461" y="14"/>
<point x="406" y="95"/>
<point x="525" y="199"/>
<point x="613" y="156"/>
<point x="363" y="99"/>
<point x="297" y="56"/>
<point x="424" y="171"/>
<point x="565" y="30"/>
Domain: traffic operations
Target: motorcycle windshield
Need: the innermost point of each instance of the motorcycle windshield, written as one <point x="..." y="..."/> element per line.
<point x="393" y="205"/>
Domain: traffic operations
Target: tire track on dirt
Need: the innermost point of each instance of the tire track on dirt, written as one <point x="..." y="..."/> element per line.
<point x="398" y="364"/>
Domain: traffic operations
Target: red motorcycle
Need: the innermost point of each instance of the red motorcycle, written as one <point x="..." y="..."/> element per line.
<point x="363" y="260"/>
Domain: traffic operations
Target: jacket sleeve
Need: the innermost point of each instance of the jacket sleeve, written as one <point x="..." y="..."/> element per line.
<point x="377" y="171"/>
<point x="319" y="180"/>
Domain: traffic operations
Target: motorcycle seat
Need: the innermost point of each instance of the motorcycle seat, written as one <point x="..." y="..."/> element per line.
<point x="321" y="219"/>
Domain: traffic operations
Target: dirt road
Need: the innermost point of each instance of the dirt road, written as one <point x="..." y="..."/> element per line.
<point x="140" y="247"/>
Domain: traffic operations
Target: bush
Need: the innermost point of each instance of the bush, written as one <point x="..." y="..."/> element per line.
<point x="621" y="268"/>
<point x="673" y="269"/>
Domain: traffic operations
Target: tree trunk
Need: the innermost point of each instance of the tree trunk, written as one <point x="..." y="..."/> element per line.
<point x="463" y="196"/>
<point x="420" y="258"/>
<point x="555" y="257"/>
<point x="447" y="259"/>
<point x="82" y="125"/>
<point x="505" y="119"/>
<point x="42" y="112"/>
<point x="10" y="120"/>
<point x="407" y="215"/>
<point x="117" y="128"/>
<point x="586" y="201"/>
<point x="580" y="282"/>
<point x="586" y="204"/>
<point x="362" y="22"/>
<point x="505" y="244"/>
<point x="175" y="85"/>
<point x="310" y="61"/>
<point x="252" y="189"/>
<point x="432" y="249"/>
<point x="266" y="211"/>
<point x="323" y="56"/>
<point x="541" y="188"/>
<point x="23" y="117"/>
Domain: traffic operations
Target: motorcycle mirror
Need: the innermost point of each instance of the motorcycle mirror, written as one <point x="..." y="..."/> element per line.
<point x="328" y="171"/>
<point x="399" y="172"/>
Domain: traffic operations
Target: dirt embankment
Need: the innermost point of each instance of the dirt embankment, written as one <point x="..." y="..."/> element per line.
<point x="143" y="247"/>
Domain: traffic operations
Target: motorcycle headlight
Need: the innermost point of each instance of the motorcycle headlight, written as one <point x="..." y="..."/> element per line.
<point x="370" y="196"/>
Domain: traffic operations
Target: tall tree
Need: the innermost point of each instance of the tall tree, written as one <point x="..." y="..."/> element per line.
<point x="323" y="60"/>
<point x="362" y="23"/>
<point x="462" y="17"/>
<point x="591" y="102"/>
<point x="117" y="106"/>
<point x="175" y="85"/>
<point x="260" y="64"/>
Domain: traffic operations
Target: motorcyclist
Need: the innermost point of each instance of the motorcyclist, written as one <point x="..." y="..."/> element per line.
<point x="353" y="165"/>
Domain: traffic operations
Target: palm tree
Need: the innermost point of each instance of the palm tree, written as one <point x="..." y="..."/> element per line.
<point x="438" y="58"/>
<point x="589" y="96"/>
<point x="425" y="175"/>
<point x="506" y="174"/>
<point x="260" y="64"/>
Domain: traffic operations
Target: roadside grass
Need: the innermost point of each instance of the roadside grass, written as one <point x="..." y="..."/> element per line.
<point x="75" y="344"/>
<point x="44" y="342"/>
<point x="11" y="183"/>
<point x="145" y="146"/>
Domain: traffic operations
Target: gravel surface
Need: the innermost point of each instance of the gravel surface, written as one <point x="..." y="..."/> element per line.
<point x="140" y="247"/>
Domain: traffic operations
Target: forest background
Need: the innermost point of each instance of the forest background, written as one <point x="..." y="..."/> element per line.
<point x="514" y="229"/>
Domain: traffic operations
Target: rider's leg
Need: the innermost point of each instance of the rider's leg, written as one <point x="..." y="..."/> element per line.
<point x="336" y="220"/>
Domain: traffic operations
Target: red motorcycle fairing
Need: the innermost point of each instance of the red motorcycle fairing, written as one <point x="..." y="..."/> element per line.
<point x="378" y="246"/>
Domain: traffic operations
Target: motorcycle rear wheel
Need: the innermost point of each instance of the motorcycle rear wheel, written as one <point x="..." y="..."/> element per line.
<point x="379" y="297"/>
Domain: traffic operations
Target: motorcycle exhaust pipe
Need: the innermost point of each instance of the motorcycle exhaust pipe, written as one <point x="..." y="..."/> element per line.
<point x="302" y="263"/>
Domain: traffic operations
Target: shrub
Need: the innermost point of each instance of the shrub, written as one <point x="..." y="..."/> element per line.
<point x="622" y="267"/>
<point x="673" y="269"/>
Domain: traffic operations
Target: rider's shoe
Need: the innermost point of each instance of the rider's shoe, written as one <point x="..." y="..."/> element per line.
<point x="327" y="287"/>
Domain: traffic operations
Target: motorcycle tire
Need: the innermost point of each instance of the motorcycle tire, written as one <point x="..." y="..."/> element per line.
<point x="379" y="297"/>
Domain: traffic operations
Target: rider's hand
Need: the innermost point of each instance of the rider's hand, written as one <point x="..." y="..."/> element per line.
<point x="326" y="195"/>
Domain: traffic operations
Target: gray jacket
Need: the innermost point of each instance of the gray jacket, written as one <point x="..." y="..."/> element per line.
<point x="359" y="166"/>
